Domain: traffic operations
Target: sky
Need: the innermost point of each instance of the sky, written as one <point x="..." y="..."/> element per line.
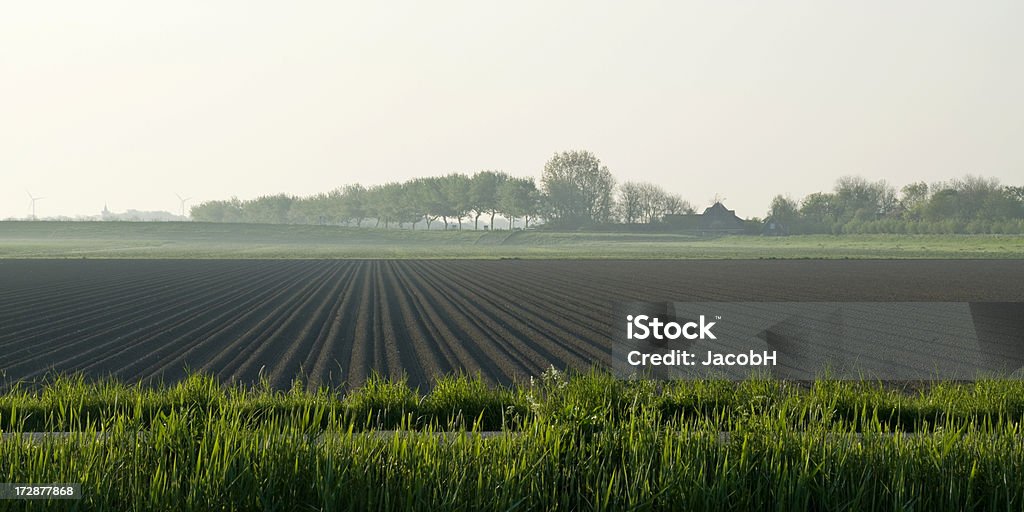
<point x="128" y="103"/>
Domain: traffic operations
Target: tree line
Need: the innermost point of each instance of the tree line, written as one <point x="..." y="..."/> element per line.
<point x="971" y="204"/>
<point x="575" y="190"/>
<point x="450" y="200"/>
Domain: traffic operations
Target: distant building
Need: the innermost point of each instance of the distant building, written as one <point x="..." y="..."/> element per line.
<point x="138" y="216"/>
<point x="716" y="219"/>
<point x="773" y="227"/>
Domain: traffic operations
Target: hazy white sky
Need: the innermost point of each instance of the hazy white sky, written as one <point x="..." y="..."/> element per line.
<point x="129" y="102"/>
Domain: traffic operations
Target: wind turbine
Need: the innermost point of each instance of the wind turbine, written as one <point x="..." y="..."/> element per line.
<point x="182" y="202"/>
<point x="32" y="203"/>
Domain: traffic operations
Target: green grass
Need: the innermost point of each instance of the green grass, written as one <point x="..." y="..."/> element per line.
<point x="573" y="443"/>
<point x="204" y="240"/>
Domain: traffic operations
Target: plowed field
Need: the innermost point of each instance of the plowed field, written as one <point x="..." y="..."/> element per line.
<point x="336" y="321"/>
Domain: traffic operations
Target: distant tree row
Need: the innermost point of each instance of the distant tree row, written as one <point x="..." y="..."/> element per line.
<point x="970" y="204"/>
<point x="450" y="199"/>
<point x="576" y="190"/>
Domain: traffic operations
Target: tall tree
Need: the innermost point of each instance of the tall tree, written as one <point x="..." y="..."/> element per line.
<point x="857" y="197"/>
<point x="578" y="188"/>
<point x="518" y="197"/>
<point x="352" y="203"/>
<point x="429" y="197"/>
<point x="647" y="203"/>
<point x="973" y="192"/>
<point x="484" y="194"/>
<point x="457" y="200"/>
<point x="914" y="197"/>
<point x="268" y="209"/>
<point x="675" y="205"/>
<point x="218" y="211"/>
<point x="630" y="202"/>
<point x="820" y="207"/>
<point x="783" y="209"/>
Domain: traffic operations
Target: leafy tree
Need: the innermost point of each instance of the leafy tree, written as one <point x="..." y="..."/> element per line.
<point x="518" y="197"/>
<point x="855" y="195"/>
<point x="218" y="211"/>
<point x="428" y="197"/>
<point x="351" y="203"/>
<point x="784" y="209"/>
<point x="456" y="188"/>
<point x="268" y="209"/>
<point x="944" y="204"/>
<point x="819" y="207"/>
<point x="532" y="206"/>
<point x="973" y="192"/>
<point x="309" y="210"/>
<point x="578" y="189"/>
<point x="484" y="194"/>
<point x="914" y="199"/>
<point x="412" y="210"/>
<point x="1011" y="204"/>
<point x="387" y="204"/>
<point x="1015" y="193"/>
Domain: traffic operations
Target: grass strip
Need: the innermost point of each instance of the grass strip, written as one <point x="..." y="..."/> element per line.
<point x="582" y="442"/>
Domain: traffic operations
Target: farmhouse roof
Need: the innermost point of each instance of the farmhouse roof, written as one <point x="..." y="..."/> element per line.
<point x="718" y="209"/>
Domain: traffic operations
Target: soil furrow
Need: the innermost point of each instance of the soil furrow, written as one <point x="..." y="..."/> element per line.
<point x="341" y="320"/>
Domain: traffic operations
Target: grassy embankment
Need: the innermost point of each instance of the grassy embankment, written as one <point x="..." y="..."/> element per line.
<point x="587" y="442"/>
<point x="202" y="240"/>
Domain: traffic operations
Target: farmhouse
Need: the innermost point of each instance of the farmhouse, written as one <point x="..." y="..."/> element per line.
<point x="773" y="227"/>
<point x="716" y="219"/>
